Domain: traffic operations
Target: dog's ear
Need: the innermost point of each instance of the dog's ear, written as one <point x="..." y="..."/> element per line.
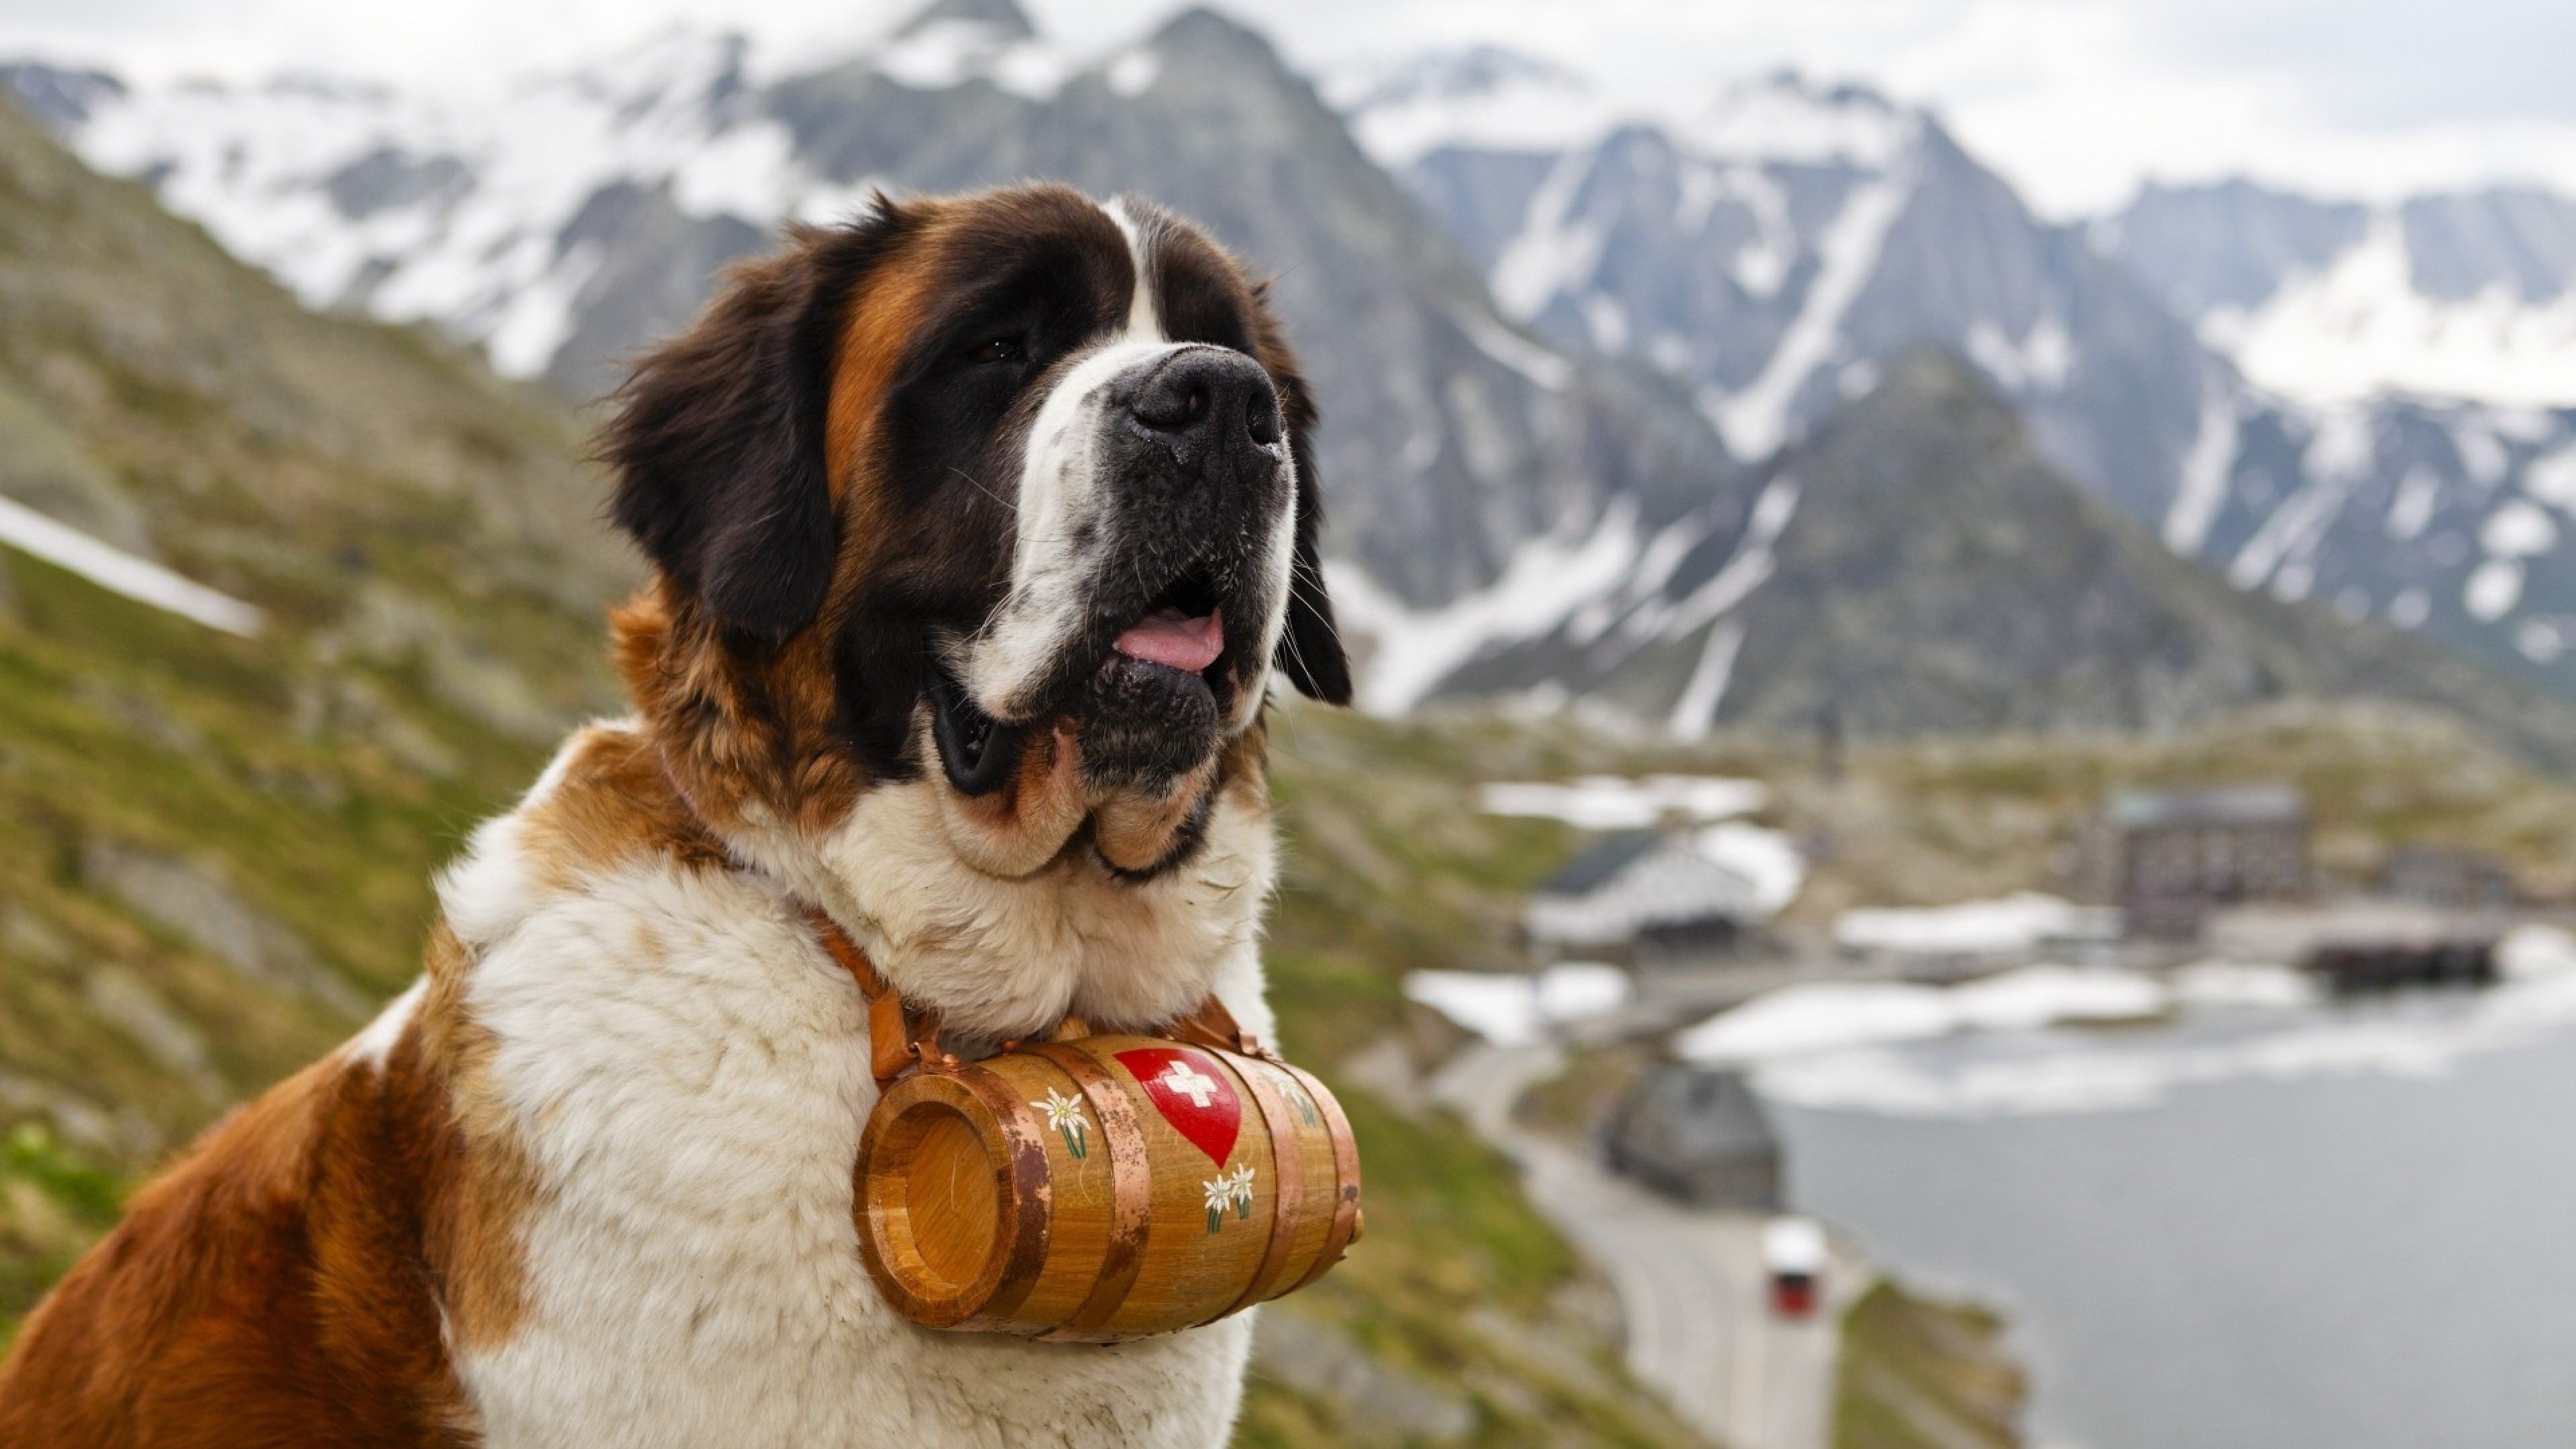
<point x="717" y="441"/>
<point x="1310" y="648"/>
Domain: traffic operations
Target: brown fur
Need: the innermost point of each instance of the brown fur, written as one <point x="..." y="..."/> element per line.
<point x="273" y="1289"/>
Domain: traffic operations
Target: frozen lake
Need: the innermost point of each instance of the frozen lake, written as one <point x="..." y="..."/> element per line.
<point x="2299" y="1228"/>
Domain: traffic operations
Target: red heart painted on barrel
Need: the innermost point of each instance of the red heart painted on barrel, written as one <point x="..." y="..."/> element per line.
<point x="1192" y="1094"/>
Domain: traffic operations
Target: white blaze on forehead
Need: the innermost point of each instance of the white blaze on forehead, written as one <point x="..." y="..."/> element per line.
<point x="1061" y="491"/>
<point x="1143" y="321"/>
<point x="1063" y="518"/>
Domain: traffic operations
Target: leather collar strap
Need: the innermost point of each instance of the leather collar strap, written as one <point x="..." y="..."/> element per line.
<point x="896" y="1047"/>
<point x="893" y="1049"/>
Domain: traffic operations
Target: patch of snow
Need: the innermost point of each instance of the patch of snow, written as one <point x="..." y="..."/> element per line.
<point x="2358" y="327"/>
<point x="948" y="53"/>
<point x="1784" y="118"/>
<point x="2482" y="453"/>
<point x="2540" y="640"/>
<point x="1606" y="322"/>
<point x="2035" y="996"/>
<point x="2294" y="581"/>
<point x="1695" y="712"/>
<point x="1765" y="857"/>
<point x="1818" y="1016"/>
<point x="1550" y="252"/>
<point x="1135" y="72"/>
<point x="2518" y="530"/>
<point x="2014" y="923"/>
<point x="1546" y="582"/>
<point x="2410" y="608"/>
<point x="1755" y="420"/>
<point x="2531" y="952"/>
<point x="2493" y="589"/>
<point x="2418" y="493"/>
<point x="2339" y="455"/>
<point x="1745" y="570"/>
<point x="2343" y="444"/>
<point x="1519" y="1010"/>
<point x="1516" y="352"/>
<point x="1481" y="97"/>
<point x="2222" y="984"/>
<point x="2039" y="362"/>
<point x="2201" y="488"/>
<point x="1849" y="1021"/>
<point x="2551" y="478"/>
<point x="1615" y="802"/>
<point x="2523" y="424"/>
<point x="119" y="572"/>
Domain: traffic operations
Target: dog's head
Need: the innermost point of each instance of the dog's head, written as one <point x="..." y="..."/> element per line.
<point x="1008" y="494"/>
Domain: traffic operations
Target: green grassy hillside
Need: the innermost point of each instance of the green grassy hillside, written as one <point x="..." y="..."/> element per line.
<point x="214" y="852"/>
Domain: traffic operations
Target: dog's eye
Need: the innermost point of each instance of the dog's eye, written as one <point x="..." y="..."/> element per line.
<point x="999" y="349"/>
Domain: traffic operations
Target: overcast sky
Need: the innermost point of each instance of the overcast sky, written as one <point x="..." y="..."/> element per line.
<point x="2075" y="100"/>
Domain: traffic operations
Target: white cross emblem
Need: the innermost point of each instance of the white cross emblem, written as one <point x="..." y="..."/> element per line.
<point x="1183" y="1080"/>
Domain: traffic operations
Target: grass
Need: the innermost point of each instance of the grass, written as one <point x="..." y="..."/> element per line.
<point x="1922" y="1374"/>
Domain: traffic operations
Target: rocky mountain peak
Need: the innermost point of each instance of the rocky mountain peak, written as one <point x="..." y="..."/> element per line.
<point x="1203" y="36"/>
<point x="1004" y="19"/>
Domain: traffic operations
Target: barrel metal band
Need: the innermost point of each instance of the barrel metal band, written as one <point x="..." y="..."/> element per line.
<point x="1287" y="1183"/>
<point x="1028" y="1188"/>
<point x="1131" y="1188"/>
<point x="1346" y="1178"/>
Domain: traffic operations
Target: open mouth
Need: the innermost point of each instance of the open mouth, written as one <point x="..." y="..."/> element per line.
<point x="1146" y="696"/>
<point x="1183" y="628"/>
<point x="976" y="751"/>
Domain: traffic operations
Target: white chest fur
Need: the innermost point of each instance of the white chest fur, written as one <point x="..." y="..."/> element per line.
<point x="688" y="1074"/>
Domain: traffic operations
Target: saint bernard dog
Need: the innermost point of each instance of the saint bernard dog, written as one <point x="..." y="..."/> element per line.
<point x="980" y="529"/>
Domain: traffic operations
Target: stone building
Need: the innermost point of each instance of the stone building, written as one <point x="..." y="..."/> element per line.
<point x="2168" y="858"/>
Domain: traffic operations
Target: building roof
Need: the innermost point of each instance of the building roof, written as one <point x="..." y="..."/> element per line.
<point x="1600" y="863"/>
<point x="2233" y="805"/>
<point x="2444" y="857"/>
<point x="1687" y="1113"/>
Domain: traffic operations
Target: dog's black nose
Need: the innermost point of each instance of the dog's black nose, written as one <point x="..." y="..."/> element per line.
<point x="1201" y="402"/>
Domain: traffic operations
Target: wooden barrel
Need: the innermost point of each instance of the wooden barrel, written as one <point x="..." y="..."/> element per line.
<point x="1103" y="1188"/>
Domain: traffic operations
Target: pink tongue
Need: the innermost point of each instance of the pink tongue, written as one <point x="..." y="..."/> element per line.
<point x="1188" y="645"/>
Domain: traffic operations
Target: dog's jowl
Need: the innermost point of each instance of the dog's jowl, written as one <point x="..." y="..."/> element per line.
<point x="979" y="531"/>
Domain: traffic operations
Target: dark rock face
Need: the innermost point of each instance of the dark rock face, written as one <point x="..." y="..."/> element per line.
<point x="56" y="97"/>
<point x="1935" y="572"/>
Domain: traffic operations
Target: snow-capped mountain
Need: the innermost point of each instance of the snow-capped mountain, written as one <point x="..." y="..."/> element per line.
<point x="2466" y="295"/>
<point x="1774" y="253"/>
<point x="2422" y="466"/>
